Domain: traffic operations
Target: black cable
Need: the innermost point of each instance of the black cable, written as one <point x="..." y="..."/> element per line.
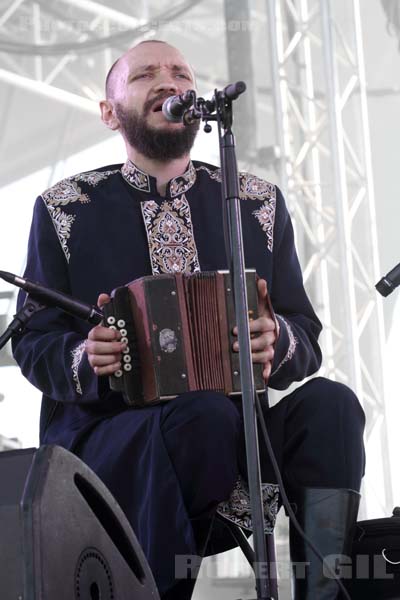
<point x="286" y="502"/>
<point x="99" y="43"/>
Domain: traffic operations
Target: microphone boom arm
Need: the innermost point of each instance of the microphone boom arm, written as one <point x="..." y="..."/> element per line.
<point x="49" y="297"/>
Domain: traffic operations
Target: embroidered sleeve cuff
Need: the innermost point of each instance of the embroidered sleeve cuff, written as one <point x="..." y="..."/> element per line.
<point x="86" y="385"/>
<point x="77" y="355"/>
<point x="285" y="346"/>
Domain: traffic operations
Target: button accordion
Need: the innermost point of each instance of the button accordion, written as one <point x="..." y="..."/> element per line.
<point x="178" y="330"/>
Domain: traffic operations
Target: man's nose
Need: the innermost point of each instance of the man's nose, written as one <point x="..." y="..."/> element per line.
<point x="166" y="83"/>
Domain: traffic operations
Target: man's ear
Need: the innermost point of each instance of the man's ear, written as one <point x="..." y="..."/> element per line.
<point x="108" y="115"/>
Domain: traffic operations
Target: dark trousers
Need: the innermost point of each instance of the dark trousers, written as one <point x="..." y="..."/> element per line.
<point x="170" y="465"/>
<point x="320" y="426"/>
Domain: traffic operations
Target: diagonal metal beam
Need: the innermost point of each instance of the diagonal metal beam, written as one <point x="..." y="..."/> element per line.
<point x="123" y="19"/>
<point x="50" y="91"/>
<point x="10" y="11"/>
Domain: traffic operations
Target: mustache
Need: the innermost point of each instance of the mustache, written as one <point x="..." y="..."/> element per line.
<point x="148" y="105"/>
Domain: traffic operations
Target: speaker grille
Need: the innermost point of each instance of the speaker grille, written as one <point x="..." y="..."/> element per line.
<point x="93" y="579"/>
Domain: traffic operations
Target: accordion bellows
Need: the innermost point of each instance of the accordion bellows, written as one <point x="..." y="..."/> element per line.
<point x="179" y="334"/>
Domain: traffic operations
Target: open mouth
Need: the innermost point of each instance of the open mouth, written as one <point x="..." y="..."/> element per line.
<point x="158" y="106"/>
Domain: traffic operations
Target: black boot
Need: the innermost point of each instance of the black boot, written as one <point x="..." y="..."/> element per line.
<point x="328" y="517"/>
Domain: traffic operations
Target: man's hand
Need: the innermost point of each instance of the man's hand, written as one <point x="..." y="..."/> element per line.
<point x="263" y="332"/>
<point x="103" y="347"/>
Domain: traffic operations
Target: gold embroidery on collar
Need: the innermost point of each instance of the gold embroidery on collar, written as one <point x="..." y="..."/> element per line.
<point x="137" y="178"/>
<point x="141" y="181"/>
<point x="169" y="229"/>
<point x="180" y="185"/>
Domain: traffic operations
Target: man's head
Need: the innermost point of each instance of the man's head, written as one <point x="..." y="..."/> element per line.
<point x="136" y="87"/>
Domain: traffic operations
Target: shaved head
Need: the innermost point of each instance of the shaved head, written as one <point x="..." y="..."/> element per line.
<point x="114" y="73"/>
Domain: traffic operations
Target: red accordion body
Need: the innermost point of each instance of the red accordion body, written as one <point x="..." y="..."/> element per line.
<point x="179" y="334"/>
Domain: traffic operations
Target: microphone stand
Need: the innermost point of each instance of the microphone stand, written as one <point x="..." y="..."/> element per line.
<point x="221" y="104"/>
<point x="21" y="318"/>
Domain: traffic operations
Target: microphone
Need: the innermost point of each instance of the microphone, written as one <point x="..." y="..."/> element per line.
<point x="233" y="90"/>
<point x="175" y="107"/>
<point x="51" y="297"/>
<point x="389" y="282"/>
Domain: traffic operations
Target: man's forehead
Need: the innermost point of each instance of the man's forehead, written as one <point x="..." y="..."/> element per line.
<point x="153" y="55"/>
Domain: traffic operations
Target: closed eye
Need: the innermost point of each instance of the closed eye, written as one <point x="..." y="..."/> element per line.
<point x="141" y="76"/>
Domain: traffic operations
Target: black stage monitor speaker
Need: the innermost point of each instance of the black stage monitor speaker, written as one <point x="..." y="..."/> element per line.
<point x="63" y="535"/>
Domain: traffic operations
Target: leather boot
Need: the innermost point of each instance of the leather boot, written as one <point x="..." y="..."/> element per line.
<point x="328" y="517"/>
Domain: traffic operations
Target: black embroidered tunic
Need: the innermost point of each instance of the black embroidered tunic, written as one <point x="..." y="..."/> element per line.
<point x="102" y="229"/>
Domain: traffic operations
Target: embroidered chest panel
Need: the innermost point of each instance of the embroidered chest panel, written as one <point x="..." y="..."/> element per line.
<point x="170" y="237"/>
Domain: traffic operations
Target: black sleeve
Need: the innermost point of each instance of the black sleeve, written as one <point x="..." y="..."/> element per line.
<point x="297" y="353"/>
<point x="50" y="352"/>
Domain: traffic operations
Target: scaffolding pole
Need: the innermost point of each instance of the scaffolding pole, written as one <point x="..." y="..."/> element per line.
<point x="321" y="117"/>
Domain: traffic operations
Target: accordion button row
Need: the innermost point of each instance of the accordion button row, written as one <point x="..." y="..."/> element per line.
<point x="112" y="320"/>
<point x="127" y="367"/>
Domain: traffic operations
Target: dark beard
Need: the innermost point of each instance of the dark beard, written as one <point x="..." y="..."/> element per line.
<point x="159" y="144"/>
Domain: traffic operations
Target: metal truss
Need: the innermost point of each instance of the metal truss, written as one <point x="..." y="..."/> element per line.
<point x="322" y="130"/>
<point x="40" y="41"/>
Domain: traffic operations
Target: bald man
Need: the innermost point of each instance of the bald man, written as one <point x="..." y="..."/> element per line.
<point x="171" y="466"/>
